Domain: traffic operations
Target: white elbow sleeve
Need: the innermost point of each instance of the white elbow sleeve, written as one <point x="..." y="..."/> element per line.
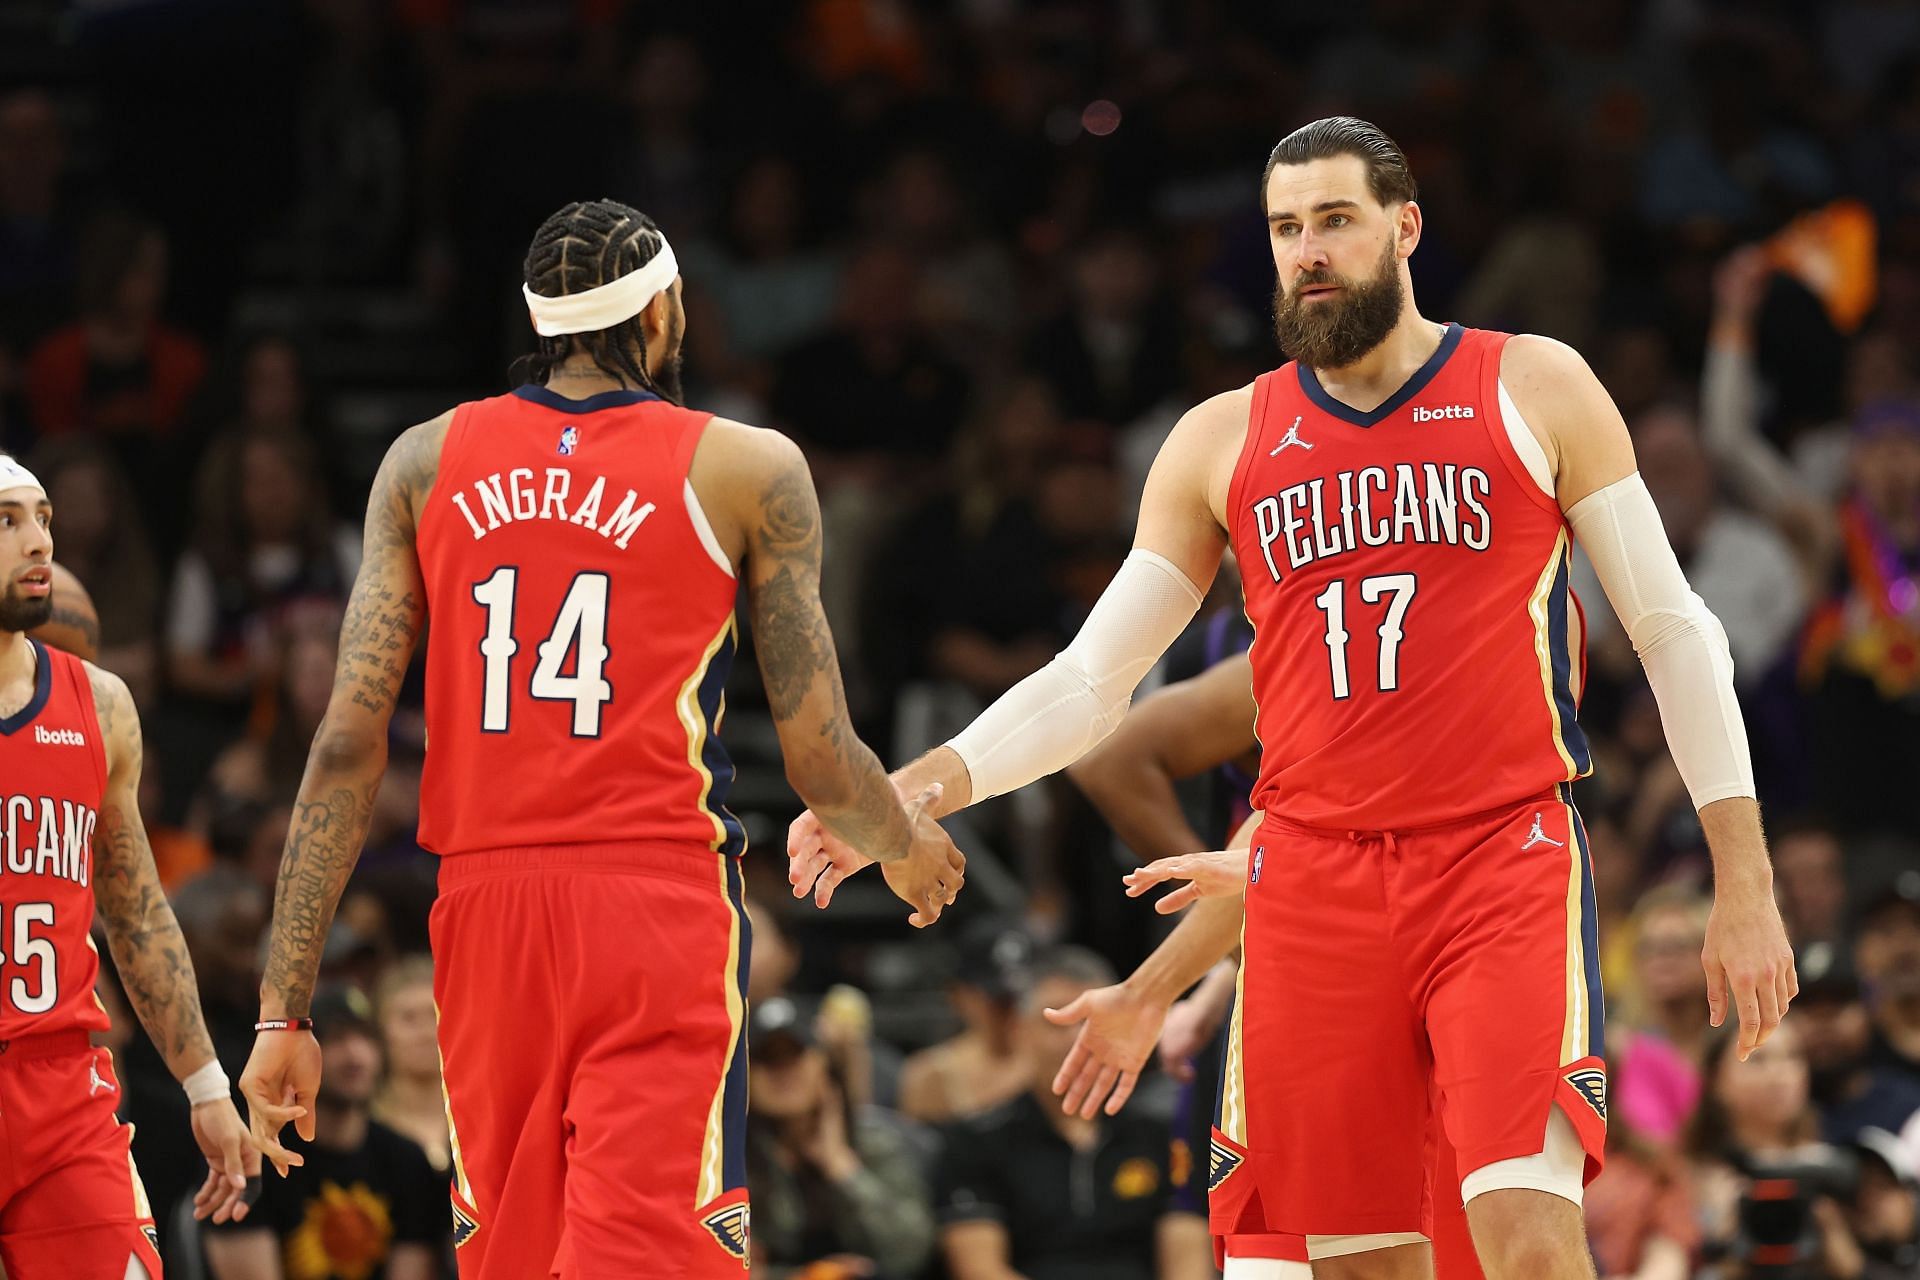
<point x="1057" y="714"/>
<point x="1680" y="643"/>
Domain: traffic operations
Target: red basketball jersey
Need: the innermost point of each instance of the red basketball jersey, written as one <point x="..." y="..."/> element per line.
<point x="53" y="771"/>
<point x="582" y="627"/>
<point x="1416" y="640"/>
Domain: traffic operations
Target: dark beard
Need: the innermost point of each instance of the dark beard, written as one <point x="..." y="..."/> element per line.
<point x="1336" y="333"/>
<point x="19" y="613"/>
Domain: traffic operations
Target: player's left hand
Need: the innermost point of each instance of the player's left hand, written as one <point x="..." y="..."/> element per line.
<point x="1208" y="875"/>
<point x="1748" y="960"/>
<point x="231" y="1159"/>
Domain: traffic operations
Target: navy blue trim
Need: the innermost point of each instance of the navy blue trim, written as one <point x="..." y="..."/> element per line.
<point x="1570" y="731"/>
<point x="42" y="690"/>
<point x="1590" y="944"/>
<point x="733" y="1104"/>
<point x="592" y="404"/>
<point x="713" y="754"/>
<point x="1310" y="383"/>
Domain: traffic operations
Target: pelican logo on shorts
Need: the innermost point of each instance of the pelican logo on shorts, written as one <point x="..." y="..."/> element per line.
<point x="1591" y="1084"/>
<point x="732" y="1225"/>
<point x="1222" y="1160"/>
<point x="569" y="441"/>
<point x="152" y="1235"/>
<point x="1290" y="440"/>
<point x="1539" y="836"/>
<point x="1259" y="857"/>
<point x="464" y="1225"/>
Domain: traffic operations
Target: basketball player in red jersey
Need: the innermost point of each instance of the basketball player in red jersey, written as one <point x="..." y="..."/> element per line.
<point x="579" y="545"/>
<point x="1419" y="914"/>
<point x="71" y="840"/>
<point x="1182" y="731"/>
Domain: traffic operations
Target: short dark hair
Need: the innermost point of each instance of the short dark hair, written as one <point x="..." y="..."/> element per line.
<point x="1388" y="176"/>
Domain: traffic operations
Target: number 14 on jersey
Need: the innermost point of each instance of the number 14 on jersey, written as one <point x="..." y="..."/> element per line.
<point x="580" y="627"/>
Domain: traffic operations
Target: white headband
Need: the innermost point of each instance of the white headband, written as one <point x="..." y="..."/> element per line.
<point x="15" y="476"/>
<point x="609" y="304"/>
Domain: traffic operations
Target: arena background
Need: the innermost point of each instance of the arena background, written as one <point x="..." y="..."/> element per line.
<point x="977" y="258"/>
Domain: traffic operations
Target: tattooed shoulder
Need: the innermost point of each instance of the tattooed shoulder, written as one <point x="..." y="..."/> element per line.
<point x="119" y="718"/>
<point x="790" y="510"/>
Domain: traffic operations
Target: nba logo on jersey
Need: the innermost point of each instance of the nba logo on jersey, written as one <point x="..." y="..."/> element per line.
<point x="1259" y="856"/>
<point x="569" y="441"/>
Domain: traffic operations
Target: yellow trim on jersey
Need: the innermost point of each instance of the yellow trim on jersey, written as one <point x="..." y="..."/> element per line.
<point x="713" y="1148"/>
<point x="688" y="706"/>
<point x="1233" y="1079"/>
<point x="453" y="1135"/>
<point x="1538" y="609"/>
<point x="1575" y="1034"/>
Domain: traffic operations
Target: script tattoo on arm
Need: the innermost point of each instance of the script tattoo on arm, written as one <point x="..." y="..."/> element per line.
<point x="838" y="775"/>
<point x="384" y="618"/>
<point x="142" y="933"/>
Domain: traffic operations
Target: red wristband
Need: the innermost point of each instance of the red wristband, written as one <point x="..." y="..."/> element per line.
<point x="284" y="1024"/>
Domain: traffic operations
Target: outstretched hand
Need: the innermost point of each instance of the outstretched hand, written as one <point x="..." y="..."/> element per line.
<point x="1117" y="1033"/>
<point x="1209" y="875"/>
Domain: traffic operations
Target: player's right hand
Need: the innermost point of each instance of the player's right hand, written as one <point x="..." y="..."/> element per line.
<point x="231" y="1161"/>
<point x="929" y="878"/>
<point x="1118" y="1031"/>
<point x="818" y="860"/>
<point x="280" y="1082"/>
<point x="1209" y="875"/>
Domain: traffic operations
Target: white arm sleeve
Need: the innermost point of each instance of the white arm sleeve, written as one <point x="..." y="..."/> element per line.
<point x="1680" y="642"/>
<point x="1058" y="714"/>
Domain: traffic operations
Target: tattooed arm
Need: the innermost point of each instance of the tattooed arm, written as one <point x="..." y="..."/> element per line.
<point x="383" y="621"/>
<point x="151" y="954"/>
<point x="835" y="774"/>
<point x="141" y="930"/>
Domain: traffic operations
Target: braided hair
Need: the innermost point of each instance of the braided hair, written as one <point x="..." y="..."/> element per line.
<point x="585" y="245"/>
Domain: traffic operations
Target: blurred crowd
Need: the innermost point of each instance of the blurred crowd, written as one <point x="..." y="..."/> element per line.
<point x="977" y="257"/>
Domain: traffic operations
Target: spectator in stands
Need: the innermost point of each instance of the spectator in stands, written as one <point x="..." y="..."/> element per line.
<point x="366" y="1204"/>
<point x="833" y="1185"/>
<point x="37" y="258"/>
<point x="1851" y="1091"/>
<point x="266" y="765"/>
<point x="1757" y="1115"/>
<point x="118" y="370"/>
<point x="1860" y="662"/>
<point x="982" y="1067"/>
<point x="1885" y="1208"/>
<point x="265" y="540"/>
<point x="1028" y="1190"/>
<point x="1109" y="358"/>
<point x="1809" y="875"/>
<point x="1657" y="1050"/>
<point x="411" y="1100"/>
<point x="1888" y="956"/>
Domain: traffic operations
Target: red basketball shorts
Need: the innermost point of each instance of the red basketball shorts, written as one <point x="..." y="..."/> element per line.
<point x="592" y="1003"/>
<point x="1390" y="978"/>
<point x="71" y="1202"/>
<point x="1240" y="1225"/>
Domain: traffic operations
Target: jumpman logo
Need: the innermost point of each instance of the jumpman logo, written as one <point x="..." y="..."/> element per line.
<point x="1291" y="438"/>
<point x="96" y="1084"/>
<point x="1537" y="836"/>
